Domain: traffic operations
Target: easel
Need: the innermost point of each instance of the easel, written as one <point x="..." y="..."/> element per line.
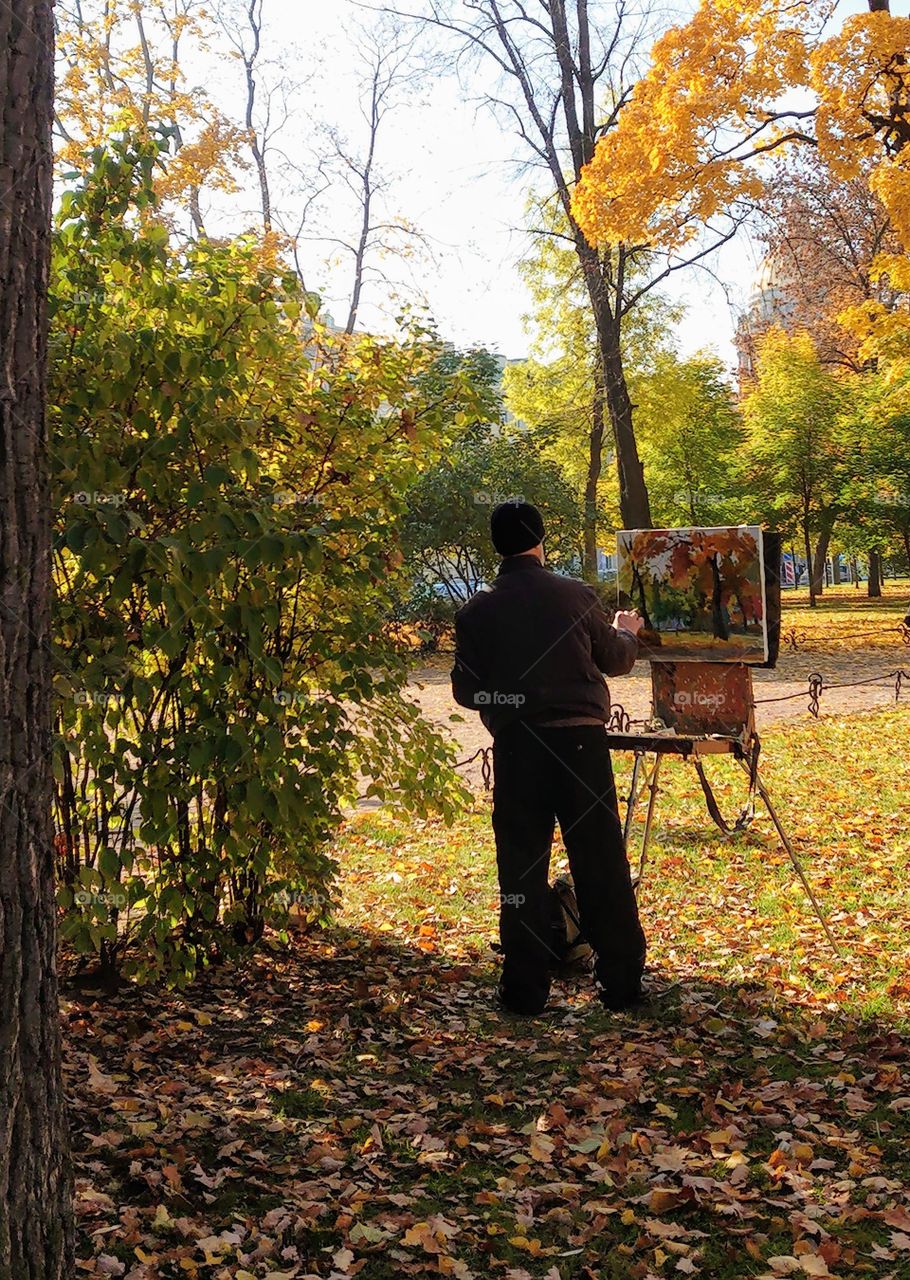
<point x="685" y="699"/>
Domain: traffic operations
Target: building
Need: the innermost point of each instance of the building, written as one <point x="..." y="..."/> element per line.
<point x="771" y="303"/>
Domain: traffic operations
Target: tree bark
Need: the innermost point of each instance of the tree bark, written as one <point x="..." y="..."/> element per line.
<point x="875" y="575"/>
<point x="578" y="96"/>
<point x="35" y="1181"/>
<point x="595" y="460"/>
<point x="821" y="555"/>
<point x="254" y="18"/>
<point x="807" y="543"/>
<point x="634" y="505"/>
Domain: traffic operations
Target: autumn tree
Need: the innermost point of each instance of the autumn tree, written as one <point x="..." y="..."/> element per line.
<point x="824" y="235"/>
<point x="558" y="392"/>
<point x="878" y="521"/>
<point x="264" y="113"/>
<point x="387" y="58"/>
<point x="121" y="67"/>
<point x="562" y="75"/>
<point x="447" y="530"/>
<point x="799" y="453"/>
<point x="288" y="182"/>
<point x="35" y="1187"/>
<point x="230" y="480"/>
<point x="716" y="99"/>
<point x="691" y="433"/>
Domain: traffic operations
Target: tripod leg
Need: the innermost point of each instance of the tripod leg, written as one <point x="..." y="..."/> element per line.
<point x="632" y="802"/>
<point x="649" y="817"/>
<point x="797" y="866"/>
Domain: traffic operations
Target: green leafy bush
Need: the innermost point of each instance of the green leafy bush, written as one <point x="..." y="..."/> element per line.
<point x="229" y="482"/>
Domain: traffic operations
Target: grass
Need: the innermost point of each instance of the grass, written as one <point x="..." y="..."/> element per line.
<point x="718" y="904"/>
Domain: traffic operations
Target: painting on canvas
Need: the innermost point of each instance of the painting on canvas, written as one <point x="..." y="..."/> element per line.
<point x="700" y="592"/>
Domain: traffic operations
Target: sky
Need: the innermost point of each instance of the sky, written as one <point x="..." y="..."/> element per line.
<point x="456" y="174"/>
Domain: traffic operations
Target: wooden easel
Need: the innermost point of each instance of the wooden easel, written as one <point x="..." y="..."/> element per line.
<point x="688" y="699"/>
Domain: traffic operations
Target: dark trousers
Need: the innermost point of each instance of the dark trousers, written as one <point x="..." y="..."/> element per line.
<point x="564" y="775"/>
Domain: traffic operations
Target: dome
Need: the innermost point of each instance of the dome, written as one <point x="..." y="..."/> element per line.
<point x="774" y="280"/>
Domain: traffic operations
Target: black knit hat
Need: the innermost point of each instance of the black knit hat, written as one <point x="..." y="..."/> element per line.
<point x="515" y="527"/>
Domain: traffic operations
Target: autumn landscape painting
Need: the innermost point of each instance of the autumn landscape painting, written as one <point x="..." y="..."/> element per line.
<point x="700" y="592"/>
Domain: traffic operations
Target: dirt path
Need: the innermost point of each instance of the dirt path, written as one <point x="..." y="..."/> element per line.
<point x="430" y="687"/>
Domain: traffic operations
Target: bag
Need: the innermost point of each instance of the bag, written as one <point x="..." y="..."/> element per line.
<point x="571" y="953"/>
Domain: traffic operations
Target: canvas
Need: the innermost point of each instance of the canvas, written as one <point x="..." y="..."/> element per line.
<point x="700" y="592"/>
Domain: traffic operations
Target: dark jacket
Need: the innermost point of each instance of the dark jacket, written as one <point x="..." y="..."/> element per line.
<point x="533" y="647"/>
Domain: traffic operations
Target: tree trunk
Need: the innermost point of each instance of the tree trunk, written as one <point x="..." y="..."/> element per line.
<point x="807" y="542"/>
<point x="35" y="1186"/>
<point x="875" y="575"/>
<point x="905" y="534"/>
<point x="818" y="564"/>
<point x="595" y="457"/>
<point x="254" y="18"/>
<point x="634" y="506"/>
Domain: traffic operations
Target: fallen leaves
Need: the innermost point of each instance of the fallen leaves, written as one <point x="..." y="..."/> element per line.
<point x="356" y="1107"/>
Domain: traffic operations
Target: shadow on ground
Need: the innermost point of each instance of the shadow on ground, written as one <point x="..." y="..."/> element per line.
<point x="353" y="1106"/>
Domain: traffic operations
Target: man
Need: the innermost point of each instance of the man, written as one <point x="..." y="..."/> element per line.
<point x="531" y="654"/>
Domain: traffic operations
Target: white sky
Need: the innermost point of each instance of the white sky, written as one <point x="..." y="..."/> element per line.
<point x="457" y="176"/>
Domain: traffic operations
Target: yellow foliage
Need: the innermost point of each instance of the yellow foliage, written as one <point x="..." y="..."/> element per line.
<point x="120" y="69"/>
<point x="659" y="174"/>
<point x="685" y="145"/>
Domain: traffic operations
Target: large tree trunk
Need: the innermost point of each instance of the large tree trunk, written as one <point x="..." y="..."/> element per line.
<point x="875" y="575"/>
<point x="595" y="457"/>
<point x="35" y="1191"/>
<point x="634" y="506"/>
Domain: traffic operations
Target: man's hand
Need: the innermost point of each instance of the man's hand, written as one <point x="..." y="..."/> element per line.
<point x="628" y="620"/>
